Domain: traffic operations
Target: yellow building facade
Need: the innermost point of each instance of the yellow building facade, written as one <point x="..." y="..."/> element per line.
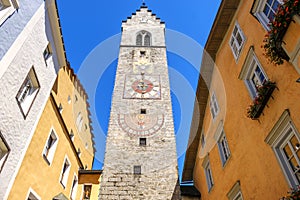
<point x="62" y="145"/>
<point x="244" y="139"/>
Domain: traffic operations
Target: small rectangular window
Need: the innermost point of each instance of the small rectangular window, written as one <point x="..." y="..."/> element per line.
<point x="252" y="73"/>
<point x="74" y="188"/>
<point x="223" y="148"/>
<point x="137" y="170"/>
<point x="72" y="135"/>
<point x="60" y="108"/>
<point x="28" y="92"/>
<point x="237" y="41"/>
<point x="50" y="147"/>
<point x="4" y="151"/>
<point x="78" y="152"/>
<point x="32" y="195"/>
<point x="143" y="111"/>
<point x="235" y="192"/>
<point x="214" y="107"/>
<point x="143" y="142"/>
<point x="47" y="52"/>
<point x="65" y="172"/>
<point x="208" y="175"/>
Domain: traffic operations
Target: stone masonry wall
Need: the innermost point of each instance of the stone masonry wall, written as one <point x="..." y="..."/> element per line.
<point x="158" y="159"/>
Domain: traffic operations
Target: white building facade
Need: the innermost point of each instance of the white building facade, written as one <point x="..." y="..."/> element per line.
<point x="31" y="53"/>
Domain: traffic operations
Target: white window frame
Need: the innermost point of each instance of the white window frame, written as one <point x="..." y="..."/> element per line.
<point x="249" y="70"/>
<point x="73" y="190"/>
<point x="208" y="173"/>
<point x="49" y="152"/>
<point x="27" y="92"/>
<point x="223" y="146"/>
<point x="235" y="192"/>
<point x="32" y="194"/>
<point x="280" y="136"/>
<point x="4" y="151"/>
<point x="258" y="12"/>
<point x="7" y="8"/>
<point x="214" y="106"/>
<point x="233" y="43"/>
<point x="64" y="175"/>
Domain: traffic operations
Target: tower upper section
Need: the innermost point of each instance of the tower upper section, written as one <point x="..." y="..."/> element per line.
<point x="143" y="28"/>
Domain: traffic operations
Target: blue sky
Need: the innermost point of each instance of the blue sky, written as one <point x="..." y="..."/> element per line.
<point x="88" y="24"/>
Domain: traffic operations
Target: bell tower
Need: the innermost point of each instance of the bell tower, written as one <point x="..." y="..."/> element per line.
<point x="140" y="158"/>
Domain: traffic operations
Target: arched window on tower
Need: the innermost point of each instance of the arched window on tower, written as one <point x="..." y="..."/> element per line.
<point x="143" y="38"/>
<point x="147" y="40"/>
<point x="139" y="40"/>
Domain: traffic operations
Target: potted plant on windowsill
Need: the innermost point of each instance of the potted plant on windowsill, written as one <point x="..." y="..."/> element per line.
<point x="273" y="39"/>
<point x="293" y="194"/>
<point x="264" y="93"/>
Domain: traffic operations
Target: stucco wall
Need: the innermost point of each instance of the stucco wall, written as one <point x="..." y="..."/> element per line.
<point x="35" y="172"/>
<point x="22" y="56"/>
<point x="16" y="23"/>
<point x="69" y="86"/>
<point x="252" y="161"/>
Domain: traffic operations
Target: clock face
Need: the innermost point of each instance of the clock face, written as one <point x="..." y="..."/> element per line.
<point x="140" y="124"/>
<point x="142" y="87"/>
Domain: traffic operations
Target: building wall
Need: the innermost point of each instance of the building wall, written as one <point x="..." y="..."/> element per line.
<point x="16" y="60"/>
<point x="252" y="161"/>
<point x="35" y="169"/>
<point x="73" y="98"/>
<point x="158" y="176"/>
<point x="92" y="179"/>
<point x="13" y="27"/>
<point x="35" y="172"/>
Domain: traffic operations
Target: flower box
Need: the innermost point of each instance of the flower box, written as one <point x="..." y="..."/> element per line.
<point x="264" y="93"/>
<point x="274" y="38"/>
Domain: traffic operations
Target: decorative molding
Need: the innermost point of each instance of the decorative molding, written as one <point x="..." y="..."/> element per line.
<point x="245" y="69"/>
<point x="219" y="130"/>
<point x="278" y="127"/>
<point x="205" y="160"/>
<point x="236" y="188"/>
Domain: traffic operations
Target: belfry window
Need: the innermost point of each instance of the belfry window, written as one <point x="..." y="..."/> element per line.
<point x="139" y="40"/>
<point x="147" y="40"/>
<point x="143" y="38"/>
